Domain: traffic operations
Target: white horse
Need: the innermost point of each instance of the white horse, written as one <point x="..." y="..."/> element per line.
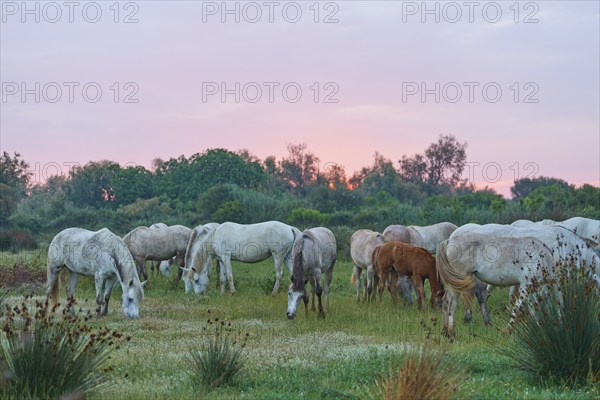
<point x="100" y="254"/>
<point x="587" y="228"/>
<point x="164" y="266"/>
<point x="429" y="237"/>
<point x="564" y="243"/>
<point x="246" y="243"/>
<point x="313" y="254"/>
<point x="197" y="240"/>
<point x="496" y="260"/>
<point x="157" y="244"/>
<point x="362" y="244"/>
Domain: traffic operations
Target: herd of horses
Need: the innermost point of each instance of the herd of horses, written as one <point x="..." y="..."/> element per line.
<point x="457" y="261"/>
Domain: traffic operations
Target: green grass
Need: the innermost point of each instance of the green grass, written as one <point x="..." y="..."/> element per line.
<point x="335" y="358"/>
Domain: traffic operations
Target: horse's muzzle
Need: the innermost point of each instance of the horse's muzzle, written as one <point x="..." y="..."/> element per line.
<point x="290" y="316"/>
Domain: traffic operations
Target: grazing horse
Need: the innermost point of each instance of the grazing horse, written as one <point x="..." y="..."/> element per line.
<point x="564" y="243"/>
<point x="157" y="244"/>
<point x="499" y="261"/>
<point x="246" y="243"/>
<point x="429" y="237"/>
<point x="100" y="254"/>
<point x="313" y="254"/>
<point x="587" y="228"/>
<point x="411" y="261"/>
<point x="195" y="246"/>
<point x="362" y="244"/>
<point x="164" y="266"/>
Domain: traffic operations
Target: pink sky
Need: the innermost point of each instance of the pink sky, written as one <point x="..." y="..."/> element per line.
<point x="371" y="58"/>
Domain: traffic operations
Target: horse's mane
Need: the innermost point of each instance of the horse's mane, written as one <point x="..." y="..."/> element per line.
<point x="298" y="275"/>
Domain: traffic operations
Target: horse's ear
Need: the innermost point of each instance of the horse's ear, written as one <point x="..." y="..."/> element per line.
<point x="143" y="283"/>
<point x="183" y="269"/>
<point x="131" y="283"/>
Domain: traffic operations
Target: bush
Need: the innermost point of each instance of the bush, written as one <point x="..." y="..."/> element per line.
<point x="50" y="354"/>
<point x="220" y="358"/>
<point x="422" y="375"/>
<point x="557" y="333"/>
<point x="16" y="240"/>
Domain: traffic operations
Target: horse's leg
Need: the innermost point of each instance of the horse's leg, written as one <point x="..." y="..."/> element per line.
<point x="108" y="287"/>
<point x="418" y="281"/>
<point x="449" y="307"/>
<point x="481" y="293"/>
<point x="222" y="275"/>
<point x="313" y="288"/>
<point x="357" y="273"/>
<point x="305" y="300"/>
<point x="181" y="260"/>
<point x="99" y="281"/>
<point x="328" y="279"/>
<point x="141" y="264"/>
<point x="518" y="304"/>
<point x="468" y="314"/>
<point x="71" y="289"/>
<point x="319" y="290"/>
<point x="394" y="286"/>
<point x="370" y="273"/>
<point x="382" y="273"/>
<point x="229" y="272"/>
<point x="278" y="261"/>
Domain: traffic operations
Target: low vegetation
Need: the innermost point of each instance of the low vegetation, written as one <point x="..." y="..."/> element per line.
<point x="49" y="352"/>
<point x="359" y="351"/>
<point x="557" y="336"/>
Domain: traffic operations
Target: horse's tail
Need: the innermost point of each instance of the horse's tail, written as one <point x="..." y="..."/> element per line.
<point x="55" y="290"/>
<point x="457" y="281"/>
<point x="353" y="279"/>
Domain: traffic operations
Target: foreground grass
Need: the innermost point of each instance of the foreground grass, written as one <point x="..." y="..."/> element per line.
<point x="335" y="358"/>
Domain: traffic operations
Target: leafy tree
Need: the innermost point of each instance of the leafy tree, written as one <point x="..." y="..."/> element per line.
<point x="440" y="167"/>
<point x="186" y="179"/>
<point x="14" y="180"/>
<point x="300" y="169"/>
<point x="132" y="183"/>
<point x="524" y="186"/>
<point x="92" y="184"/>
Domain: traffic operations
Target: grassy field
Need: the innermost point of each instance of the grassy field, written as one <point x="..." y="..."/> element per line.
<point x="336" y="358"/>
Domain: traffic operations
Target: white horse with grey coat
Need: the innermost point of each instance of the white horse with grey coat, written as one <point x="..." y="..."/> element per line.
<point x="100" y="254"/>
<point x="195" y="246"/>
<point x="313" y="254"/>
<point x="157" y="244"/>
<point x="246" y="243"/>
<point x="362" y="244"/>
<point x="164" y="266"/>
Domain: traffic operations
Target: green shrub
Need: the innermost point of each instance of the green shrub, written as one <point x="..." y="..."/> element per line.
<point x="220" y="358"/>
<point x="51" y="353"/>
<point x="557" y="333"/>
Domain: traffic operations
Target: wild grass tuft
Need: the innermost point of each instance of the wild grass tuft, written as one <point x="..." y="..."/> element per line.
<point x="220" y="358"/>
<point x="51" y="353"/>
<point x="556" y="338"/>
<point x="422" y="375"/>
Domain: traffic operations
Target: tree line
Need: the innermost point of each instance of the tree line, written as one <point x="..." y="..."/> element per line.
<point x="219" y="185"/>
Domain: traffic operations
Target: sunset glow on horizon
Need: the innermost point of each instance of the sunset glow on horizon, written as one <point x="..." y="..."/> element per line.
<point x="145" y="80"/>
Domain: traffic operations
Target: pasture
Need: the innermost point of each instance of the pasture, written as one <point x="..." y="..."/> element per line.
<point x="336" y="358"/>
